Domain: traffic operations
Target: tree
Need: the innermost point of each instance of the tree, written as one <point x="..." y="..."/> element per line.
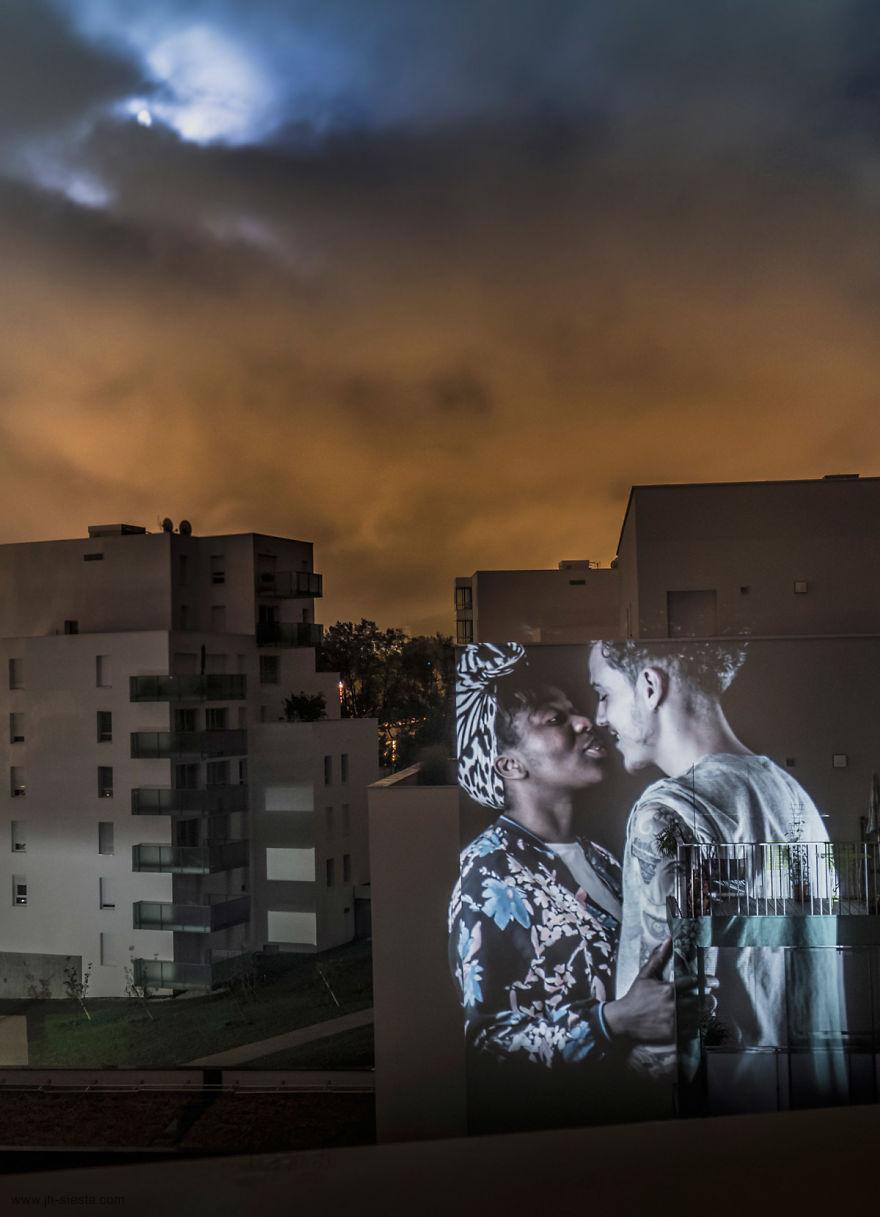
<point x="305" y="707"/>
<point x="76" y="985"/>
<point x="406" y="682"/>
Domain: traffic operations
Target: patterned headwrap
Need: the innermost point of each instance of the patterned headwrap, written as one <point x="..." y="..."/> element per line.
<point x="480" y="668"/>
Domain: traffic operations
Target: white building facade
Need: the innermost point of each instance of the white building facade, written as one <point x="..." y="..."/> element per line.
<point x="162" y="816"/>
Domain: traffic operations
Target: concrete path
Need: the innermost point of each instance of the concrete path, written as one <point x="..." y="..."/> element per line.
<point x="289" y="1039"/>
<point x="13" y="1040"/>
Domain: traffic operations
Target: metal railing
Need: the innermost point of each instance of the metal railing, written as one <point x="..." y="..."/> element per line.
<point x="162" y="744"/>
<point x="290" y="583"/>
<point x="216" y="914"/>
<point x="169" y="974"/>
<point x="166" y="800"/>
<point x="211" y="687"/>
<point x="190" y="859"/>
<point x="777" y="879"/>
<point x="289" y="634"/>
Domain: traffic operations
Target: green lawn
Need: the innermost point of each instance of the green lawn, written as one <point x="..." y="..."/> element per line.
<point x="121" y="1032"/>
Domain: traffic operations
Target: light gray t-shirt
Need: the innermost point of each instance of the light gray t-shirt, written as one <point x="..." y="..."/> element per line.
<point x="727" y="797"/>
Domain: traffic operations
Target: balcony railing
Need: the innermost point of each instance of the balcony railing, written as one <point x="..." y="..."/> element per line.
<point x="290" y="583"/>
<point x="213" y="687"/>
<point x="289" y="634"/>
<point x="190" y="859"/>
<point x="774" y="880"/>
<point x="218" y="914"/>
<point x="161" y="744"/>
<point x="168" y="800"/>
<point x="168" y="974"/>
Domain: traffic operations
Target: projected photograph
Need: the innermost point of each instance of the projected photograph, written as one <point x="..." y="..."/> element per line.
<point x="665" y="879"/>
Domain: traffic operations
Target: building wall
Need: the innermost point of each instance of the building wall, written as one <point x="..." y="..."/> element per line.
<point x="45" y="583"/>
<point x="751" y="544"/>
<point x="414" y="848"/>
<point x="570" y="605"/>
<point x="61" y="809"/>
<point x="302" y="822"/>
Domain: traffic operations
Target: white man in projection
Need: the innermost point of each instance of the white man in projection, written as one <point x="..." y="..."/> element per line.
<point x="662" y="706"/>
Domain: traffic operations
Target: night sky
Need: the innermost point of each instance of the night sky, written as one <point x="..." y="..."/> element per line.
<point x="430" y="282"/>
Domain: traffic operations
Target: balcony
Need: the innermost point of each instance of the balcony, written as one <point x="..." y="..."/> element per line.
<point x="166" y="974"/>
<point x="190" y="859"/>
<point x="154" y="745"/>
<point x="214" y="687"/>
<point x="289" y="634"/>
<point x="169" y="800"/>
<point x="217" y="914"/>
<point x="290" y="584"/>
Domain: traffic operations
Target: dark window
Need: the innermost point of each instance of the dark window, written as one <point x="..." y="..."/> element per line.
<point x="105" y="781"/>
<point x="464" y="598"/>
<point x="330" y="870"/>
<point x="464" y="632"/>
<point x="184" y="720"/>
<point x="215" y="719"/>
<point x="346" y="868"/>
<point x="71" y="627"/>
<point x="343" y="767"/>
<point x="105" y="837"/>
<point x="93" y="557"/>
<point x="270" y="668"/>
<point x="16" y="728"/>
<point x="328" y="770"/>
<point x="105" y="726"/>
<point x="19" y="889"/>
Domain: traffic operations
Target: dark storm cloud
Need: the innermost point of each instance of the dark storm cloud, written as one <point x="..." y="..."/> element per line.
<point x="434" y="287"/>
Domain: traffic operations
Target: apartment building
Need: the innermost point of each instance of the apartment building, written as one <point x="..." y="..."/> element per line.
<point x="162" y="816"/>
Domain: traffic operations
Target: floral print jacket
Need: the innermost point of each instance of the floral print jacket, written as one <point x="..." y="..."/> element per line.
<point x="532" y="955"/>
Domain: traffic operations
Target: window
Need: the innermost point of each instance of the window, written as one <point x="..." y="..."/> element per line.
<point x="186" y="832"/>
<point x="93" y="557"/>
<point x="215" y="719"/>
<point x="328" y="770"/>
<point x="464" y="597"/>
<point x="464" y="632"/>
<point x="186" y="777"/>
<point x="19" y="837"/>
<point x="16" y="674"/>
<point x="330" y="871"/>
<point x="346" y="819"/>
<point x="242" y="772"/>
<point x="71" y="627"/>
<point x="106" y="895"/>
<point x="328" y="820"/>
<point x="242" y="717"/>
<point x="800" y="587"/>
<point x="343" y="767"/>
<point x="105" y="837"/>
<point x="183" y="617"/>
<point x="16" y="728"/>
<point x="269" y="669"/>
<point x="346" y="868"/>
<point x="105" y="726"/>
<point x="216" y="773"/>
<point x="103" y="672"/>
<point x="184" y="719"/>
<point x="105" y="781"/>
<point x="17" y="782"/>
<point x="19" y="889"/>
<point x="215" y="663"/>
<point x="218" y="618"/>
<point x="218" y="568"/>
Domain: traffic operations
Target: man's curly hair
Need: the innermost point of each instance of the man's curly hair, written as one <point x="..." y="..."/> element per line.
<point x="707" y="667"/>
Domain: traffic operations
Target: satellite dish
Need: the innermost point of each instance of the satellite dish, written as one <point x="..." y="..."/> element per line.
<point x="185" y="528"/>
<point x="167" y="525"/>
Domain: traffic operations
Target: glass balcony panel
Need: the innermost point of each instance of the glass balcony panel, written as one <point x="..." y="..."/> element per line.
<point x="190" y="859"/>
<point x="210" y="687"/>
<point x="218" y="913"/>
<point x="164" y="744"/>
<point x="289" y="634"/>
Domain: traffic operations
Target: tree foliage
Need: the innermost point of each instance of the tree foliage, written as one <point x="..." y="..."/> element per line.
<point x="305" y="707"/>
<point x="406" y="682"/>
